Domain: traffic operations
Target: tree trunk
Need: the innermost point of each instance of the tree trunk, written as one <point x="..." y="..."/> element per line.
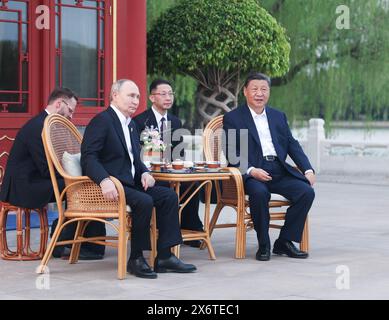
<point x="213" y="102"/>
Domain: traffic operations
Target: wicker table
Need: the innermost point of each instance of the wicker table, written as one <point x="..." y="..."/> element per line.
<point x="205" y="180"/>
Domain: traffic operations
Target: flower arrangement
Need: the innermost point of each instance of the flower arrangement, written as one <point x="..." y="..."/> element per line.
<point x="151" y="140"/>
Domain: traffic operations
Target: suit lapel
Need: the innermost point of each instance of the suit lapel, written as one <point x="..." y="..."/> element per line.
<point x="151" y="120"/>
<point x="118" y="127"/>
<point x="249" y="121"/>
<point x="134" y="141"/>
<point x="271" y="121"/>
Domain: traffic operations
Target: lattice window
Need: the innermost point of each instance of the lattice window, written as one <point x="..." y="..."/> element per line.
<point x="14" y="56"/>
<point x="80" y="27"/>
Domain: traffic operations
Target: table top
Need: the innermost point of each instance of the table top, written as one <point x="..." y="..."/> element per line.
<point x="191" y="175"/>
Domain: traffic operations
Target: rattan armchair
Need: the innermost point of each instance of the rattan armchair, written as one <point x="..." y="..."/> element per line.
<point x="231" y="194"/>
<point x="84" y="199"/>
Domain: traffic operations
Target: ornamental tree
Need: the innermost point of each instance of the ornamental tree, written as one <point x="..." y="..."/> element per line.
<point x="217" y="43"/>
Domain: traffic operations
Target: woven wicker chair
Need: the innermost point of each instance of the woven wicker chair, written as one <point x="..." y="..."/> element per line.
<point x="232" y="194"/>
<point x="85" y="201"/>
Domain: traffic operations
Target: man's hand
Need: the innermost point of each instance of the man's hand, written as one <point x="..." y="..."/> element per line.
<point x="311" y="178"/>
<point x="147" y="181"/>
<point x="260" y="175"/>
<point x="109" y="190"/>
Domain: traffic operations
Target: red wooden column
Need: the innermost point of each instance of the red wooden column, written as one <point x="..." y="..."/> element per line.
<point x="131" y="45"/>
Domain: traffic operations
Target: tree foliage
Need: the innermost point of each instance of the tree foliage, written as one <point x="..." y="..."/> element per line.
<point x="334" y="74"/>
<point x="216" y="40"/>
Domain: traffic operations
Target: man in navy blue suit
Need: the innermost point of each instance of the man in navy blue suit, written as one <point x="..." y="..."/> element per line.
<point x="260" y="147"/>
<point x="110" y="147"/>
<point x="162" y="97"/>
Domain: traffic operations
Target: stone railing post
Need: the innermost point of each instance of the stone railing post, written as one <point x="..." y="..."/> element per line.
<point x="315" y="136"/>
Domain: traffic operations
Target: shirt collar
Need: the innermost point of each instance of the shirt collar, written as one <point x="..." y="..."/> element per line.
<point x="256" y="115"/>
<point x="157" y="115"/>
<point x="47" y="111"/>
<point x="123" y="120"/>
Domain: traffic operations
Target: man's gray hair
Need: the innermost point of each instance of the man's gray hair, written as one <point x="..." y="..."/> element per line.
<point x="116" y="86"/>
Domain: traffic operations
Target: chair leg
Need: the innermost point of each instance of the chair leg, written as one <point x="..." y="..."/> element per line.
<point x="19" y="233"/>
<point x="153" y="238"/>
<point x="3" y="232"/>
<point x="212" y="223"/>
<point x="44" y="229"/>
<point x="25" y="250"/>
<point x="122" y="249"/>
<point x="215" y="217"/>
<point x="240" y="241"/>
<point x="42" y="267"/>
<point x="304" y="244"/>
<point x="76" y="247"/>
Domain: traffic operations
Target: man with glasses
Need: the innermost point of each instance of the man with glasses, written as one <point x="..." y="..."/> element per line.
<point x="27" y="182"/>
<point x="162" y="98"/>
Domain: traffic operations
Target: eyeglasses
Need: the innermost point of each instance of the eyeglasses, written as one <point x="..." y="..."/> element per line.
<point x="164" y="94"/>
<point x="71" y="111"/>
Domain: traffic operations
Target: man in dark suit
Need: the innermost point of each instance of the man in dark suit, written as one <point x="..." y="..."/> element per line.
<point x="111" y="148"/>
<point x="27" y="182"/>
<point x="260" y="147"/>
<point x="162" y="98"/>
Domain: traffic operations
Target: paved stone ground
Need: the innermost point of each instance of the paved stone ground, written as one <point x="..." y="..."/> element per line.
<point x="349" y="226"/>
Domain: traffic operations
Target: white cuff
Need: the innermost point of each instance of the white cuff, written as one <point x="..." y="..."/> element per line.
<point x="144" y="173"/>
<point x="308" y="171"/>
<point x="103" y="181"/>
<point x="249" y="170"/>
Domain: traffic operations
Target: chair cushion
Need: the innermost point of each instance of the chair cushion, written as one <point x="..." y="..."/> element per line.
<point x="277" y="197"/>
<point x="274" y="197"/>
<point x="71" y="164"/>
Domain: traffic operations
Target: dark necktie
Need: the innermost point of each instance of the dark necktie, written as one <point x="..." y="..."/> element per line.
<point x="163" y="127"/>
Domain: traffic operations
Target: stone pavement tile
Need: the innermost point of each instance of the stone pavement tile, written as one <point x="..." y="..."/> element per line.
<point x="349" y="226"/>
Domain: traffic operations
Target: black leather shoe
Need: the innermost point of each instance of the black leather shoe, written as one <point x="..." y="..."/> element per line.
<point x="173" y="264"/>
<point x="58" y="251"/>
<point x="287" y="247"/>
<point x="263" y="253"/>
<point x="193" y="243"/>
<point x="64" y="253"/>
<point x="140" y="268"/>
<point x="89" y="255"/>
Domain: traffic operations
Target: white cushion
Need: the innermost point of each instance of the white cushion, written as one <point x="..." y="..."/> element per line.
<point x="277" y="197"/>
<point x="71" y="164"/>
<point x="274" y="197"/>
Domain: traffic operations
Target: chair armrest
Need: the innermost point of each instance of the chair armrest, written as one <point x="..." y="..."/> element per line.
<point x="83" y="194"/>
<point x="234" y="188"/>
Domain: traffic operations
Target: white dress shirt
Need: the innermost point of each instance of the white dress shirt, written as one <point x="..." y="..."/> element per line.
<point x="262" y="125"/>
<point x="158" y="117"/>
<point x="125" y="122"/>
<point x="263" y="130"/>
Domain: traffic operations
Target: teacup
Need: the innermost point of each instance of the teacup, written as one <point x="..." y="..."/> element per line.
<point x="178" y="164"/>
<point x="157" y="165"/>
<point x="199" y="164"/>
<point x="213" y="164"/>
